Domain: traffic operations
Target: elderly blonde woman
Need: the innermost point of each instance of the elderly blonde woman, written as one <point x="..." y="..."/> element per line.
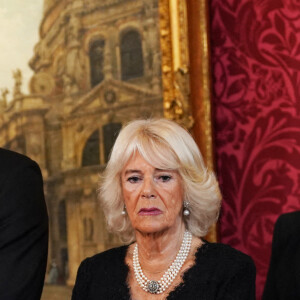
<point x="160" y="198"/>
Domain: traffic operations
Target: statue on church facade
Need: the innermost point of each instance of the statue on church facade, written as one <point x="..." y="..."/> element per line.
<point x="17" y="75"/>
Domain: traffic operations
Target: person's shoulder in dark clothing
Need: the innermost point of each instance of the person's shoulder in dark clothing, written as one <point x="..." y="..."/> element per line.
<point x="232" y="272"/>
<point x="227" y="252"/>
<point x="9" y="158"/>
<point x="12" y="163"/>
<point x="230" y="258"/>
<point x="284" y="270"/>
<point x="289" y="223"/>
<point x="102" y="274"/>
<point x="108" y="261"/>
<point x="24" y="228"/>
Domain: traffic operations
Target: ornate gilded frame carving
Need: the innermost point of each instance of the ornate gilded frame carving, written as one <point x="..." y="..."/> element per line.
<point x="190" y="109"/>
<point x="175" y="60"/>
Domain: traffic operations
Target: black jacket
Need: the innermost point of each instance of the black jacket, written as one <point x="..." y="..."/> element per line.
<point x="220" y="273"/>
<point x="23" y="228"/>
<point x="283" y="280"/>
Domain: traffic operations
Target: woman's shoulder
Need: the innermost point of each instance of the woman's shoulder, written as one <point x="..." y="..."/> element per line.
<point x="110" y="263"/>
<point x="110" y="256"/>
<point x="226" y="251"/>
<point x="225" y="256"/>
<point x="101" y="275"/>
<point x="220" y="271"/>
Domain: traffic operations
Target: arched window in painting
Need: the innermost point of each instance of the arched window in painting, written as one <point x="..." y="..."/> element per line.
<point x="97" y="61"/>
<point x="110" y="133"/>
<point x="91" y="151"/>
<point x="62" y="221"/>
<point x="131" y="55"/>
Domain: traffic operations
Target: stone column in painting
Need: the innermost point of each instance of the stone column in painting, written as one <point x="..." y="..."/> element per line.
<point x="74" y="229"/>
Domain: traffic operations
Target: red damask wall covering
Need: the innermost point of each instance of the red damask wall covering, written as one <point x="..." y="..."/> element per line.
<point x="256" y="69"/>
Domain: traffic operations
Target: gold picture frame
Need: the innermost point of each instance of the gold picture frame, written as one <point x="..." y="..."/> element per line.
<point x="186" y="77"/>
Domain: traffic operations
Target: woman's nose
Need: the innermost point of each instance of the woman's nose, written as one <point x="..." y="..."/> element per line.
<point x="148" y="189"/>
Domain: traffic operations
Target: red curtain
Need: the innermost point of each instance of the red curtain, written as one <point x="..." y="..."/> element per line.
<point x="256" y="68"/>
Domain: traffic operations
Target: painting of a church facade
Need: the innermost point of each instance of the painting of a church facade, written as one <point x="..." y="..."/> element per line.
<point x="96" y="66"/>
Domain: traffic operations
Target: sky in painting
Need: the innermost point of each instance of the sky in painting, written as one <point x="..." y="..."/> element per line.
<point x="19" y="32"/>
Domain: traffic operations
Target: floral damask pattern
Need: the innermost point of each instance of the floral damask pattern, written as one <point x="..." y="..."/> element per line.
<point x="256" y="68"/>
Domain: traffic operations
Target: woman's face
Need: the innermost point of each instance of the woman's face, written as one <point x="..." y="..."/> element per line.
<point x="153" y="197"/>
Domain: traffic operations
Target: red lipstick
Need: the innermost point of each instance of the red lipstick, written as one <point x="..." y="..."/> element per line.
<point x="149" y="211"/>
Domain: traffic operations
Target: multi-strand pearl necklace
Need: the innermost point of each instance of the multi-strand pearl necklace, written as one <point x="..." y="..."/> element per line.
<point x="158" y="287"/>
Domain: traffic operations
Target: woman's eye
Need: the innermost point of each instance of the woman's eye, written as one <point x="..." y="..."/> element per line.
<point x="133" y="179"/>
<point x="165" y="178"/>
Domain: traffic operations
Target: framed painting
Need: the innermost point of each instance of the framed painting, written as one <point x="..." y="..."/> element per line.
<point x="97" y="65"/>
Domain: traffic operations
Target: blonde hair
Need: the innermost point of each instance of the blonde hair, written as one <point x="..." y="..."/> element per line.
<point x="164" y="145"/>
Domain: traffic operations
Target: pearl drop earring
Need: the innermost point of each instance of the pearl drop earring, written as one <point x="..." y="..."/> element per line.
<point x="186" y="211"/>
<point x="124" y="211"/>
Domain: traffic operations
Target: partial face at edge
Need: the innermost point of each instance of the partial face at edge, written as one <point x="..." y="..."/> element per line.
<point x="153" y="197"/>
